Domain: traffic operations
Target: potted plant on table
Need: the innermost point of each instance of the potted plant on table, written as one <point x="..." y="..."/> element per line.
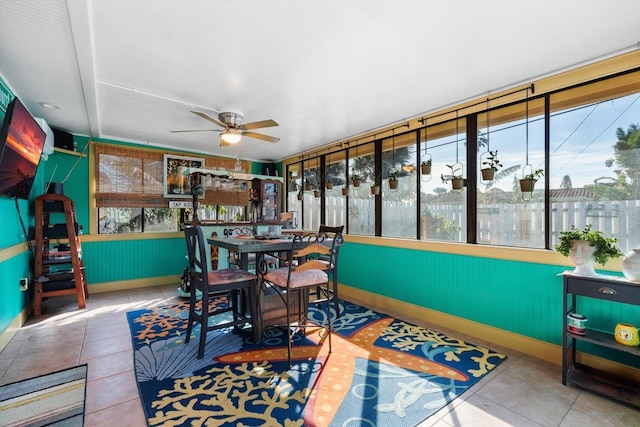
<point x="491" y="166"/>
<point x="585" y="247"/>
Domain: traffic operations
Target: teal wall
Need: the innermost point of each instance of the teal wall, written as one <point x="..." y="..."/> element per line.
<point x="124" y="260"/>
<point x="524" y="298"/>
<point x="12" y="216"/>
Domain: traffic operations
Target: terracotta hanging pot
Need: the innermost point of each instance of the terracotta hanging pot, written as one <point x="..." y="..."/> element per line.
<point x="425" y="169"/>
<point x="356" y="183"/>
<point x="375" y="189"/>
<point x="329" y="185"/>
<point x="457" y="183"/>
<point x="393" y="184"/>
<point x="527" y="185"/>
<point x="488" y="174"/>
<point x="345" y="191"/>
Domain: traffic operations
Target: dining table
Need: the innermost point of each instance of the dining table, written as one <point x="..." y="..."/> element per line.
<point x="268" y="309"/>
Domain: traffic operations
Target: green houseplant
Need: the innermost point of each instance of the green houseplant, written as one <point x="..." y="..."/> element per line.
<point x="457" y="181"/>
<point x="491" y="166"/>
<point x="603" y="248"/>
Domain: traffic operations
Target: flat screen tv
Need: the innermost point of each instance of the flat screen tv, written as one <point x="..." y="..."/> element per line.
<point x="21" y="142"/>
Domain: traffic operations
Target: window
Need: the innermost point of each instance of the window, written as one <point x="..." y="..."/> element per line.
<point x="504" y="215"/>
<point x="399" y="211"/>
<point x="584" y="139"/>
<point x="334" y="178"/>
<point x="311" y="192"/>
<point x="595" y="159"/>
<point x="130" y="192"/>
<point x="443" y="210"/>
<point x="362" y="219"/>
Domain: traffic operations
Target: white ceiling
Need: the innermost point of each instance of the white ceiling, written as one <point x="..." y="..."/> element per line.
<point x="132" y="70"/>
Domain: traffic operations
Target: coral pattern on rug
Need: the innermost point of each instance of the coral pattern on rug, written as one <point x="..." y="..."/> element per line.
<point x="382" y="371"/>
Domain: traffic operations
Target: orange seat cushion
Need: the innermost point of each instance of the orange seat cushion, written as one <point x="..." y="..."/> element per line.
<point x="298" y="279"/>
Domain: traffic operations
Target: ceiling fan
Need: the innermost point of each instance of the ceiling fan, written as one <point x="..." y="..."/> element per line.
<point x="233" y="130"/>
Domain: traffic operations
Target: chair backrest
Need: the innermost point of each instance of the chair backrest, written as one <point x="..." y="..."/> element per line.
<point x="325" y="229"/>
<point x="313" y="251"/>
<point x="238" y="231"/>
<point x="197" y="256"/>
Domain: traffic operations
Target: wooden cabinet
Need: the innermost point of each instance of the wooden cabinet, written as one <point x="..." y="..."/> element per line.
<point x="268" y="204"/>
<point x="609" y="288"/>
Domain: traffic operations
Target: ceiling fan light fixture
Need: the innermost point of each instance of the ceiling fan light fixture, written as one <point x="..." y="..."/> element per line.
<point x="231" y="136"/>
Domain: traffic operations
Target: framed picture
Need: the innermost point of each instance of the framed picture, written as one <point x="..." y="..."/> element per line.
<point x="176" y="184"/>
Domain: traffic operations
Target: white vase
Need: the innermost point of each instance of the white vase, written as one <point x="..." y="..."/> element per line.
<point x="631" y="265"/>
<point x="582" y="256"/>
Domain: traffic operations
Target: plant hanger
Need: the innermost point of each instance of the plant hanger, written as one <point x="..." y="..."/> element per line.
<point x="392" y="174"/>
<point x="487" y="157"/>
<point x="529" y="176"/>
<point x="426" y="161"/>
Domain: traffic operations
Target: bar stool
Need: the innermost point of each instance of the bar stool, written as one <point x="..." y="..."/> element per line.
<point x="235" y="283"/>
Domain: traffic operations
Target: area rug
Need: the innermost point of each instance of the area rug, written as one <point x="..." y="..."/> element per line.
<point x="55" y="399"/>
<point x="382" y="372"/>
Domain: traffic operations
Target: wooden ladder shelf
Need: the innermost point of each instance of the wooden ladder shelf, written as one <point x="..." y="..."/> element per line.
<point x="59" y="269"/>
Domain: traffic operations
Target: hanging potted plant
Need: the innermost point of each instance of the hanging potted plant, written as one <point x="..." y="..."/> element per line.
<point x="585" y="247"/>
<point x="316" y="193"/>
<point x="425" y="167"/>
<point x="393" y="180"/>
<point x="457" y="181"/>
<point x="307" y="185"/>
<point x="329" y="185"/>
<point x="528" y="182"/>
<point x="375" y="187"/>
<point x="492" y="164"/>
<point x="300" y="194"/>
<point x="355" y="179"/>
<point x="345" y="190"/>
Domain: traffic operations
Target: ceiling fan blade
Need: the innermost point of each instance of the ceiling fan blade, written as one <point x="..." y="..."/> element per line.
<point x="194" y="130"/>
<point x="261" y="136"/>
<point x="261" y="124"/>
<point x="211" y="119"/>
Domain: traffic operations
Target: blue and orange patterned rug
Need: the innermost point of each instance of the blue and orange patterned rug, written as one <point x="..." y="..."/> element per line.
<point x="382" y="372"/>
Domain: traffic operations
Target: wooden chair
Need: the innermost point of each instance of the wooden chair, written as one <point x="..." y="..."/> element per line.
<point x="326" y="234"/>
<point x="303" y="271"/>
<point x="212" y="284"/>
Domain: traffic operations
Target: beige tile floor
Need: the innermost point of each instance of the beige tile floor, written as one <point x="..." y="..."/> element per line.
<point x="522" y="391"/>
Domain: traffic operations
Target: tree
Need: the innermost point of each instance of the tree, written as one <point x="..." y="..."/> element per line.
<point x="627" y="157"/>
<point x="566" y="182"/>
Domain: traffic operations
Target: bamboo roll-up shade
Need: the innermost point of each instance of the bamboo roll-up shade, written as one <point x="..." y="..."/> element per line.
<point x="134" y="177"/>
<point x="128" y="177"/>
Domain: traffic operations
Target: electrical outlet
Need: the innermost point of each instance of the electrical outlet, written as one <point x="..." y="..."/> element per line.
<point x="24" y="284"/>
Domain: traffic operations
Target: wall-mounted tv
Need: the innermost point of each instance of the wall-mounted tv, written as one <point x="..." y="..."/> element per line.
<point x="21" y="142"/>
